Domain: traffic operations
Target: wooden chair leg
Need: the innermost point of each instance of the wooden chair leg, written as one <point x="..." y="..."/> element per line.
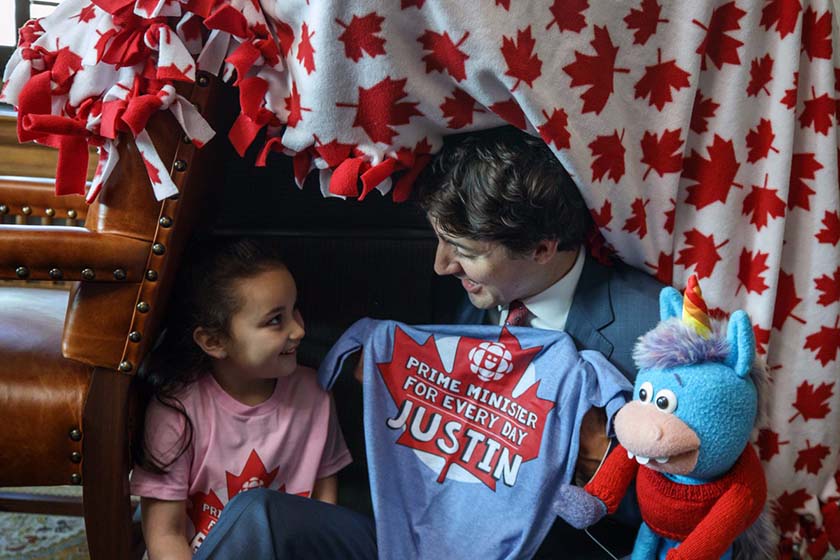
<point x="106" y="500"/>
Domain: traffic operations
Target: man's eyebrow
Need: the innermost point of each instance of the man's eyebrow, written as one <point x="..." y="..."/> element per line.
<point x="451" y="241"/>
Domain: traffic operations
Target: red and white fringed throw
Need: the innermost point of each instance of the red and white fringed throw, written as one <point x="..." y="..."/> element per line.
<point x="703" y="135"/>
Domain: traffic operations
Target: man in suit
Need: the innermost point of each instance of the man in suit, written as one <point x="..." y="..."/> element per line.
<point x="511" y="226"/>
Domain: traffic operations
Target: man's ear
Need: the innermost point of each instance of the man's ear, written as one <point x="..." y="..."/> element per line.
<point x="545" y="250"/>
<point x="210" y="342"/>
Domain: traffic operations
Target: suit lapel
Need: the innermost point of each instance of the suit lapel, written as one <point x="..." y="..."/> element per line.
<point x="591" y="308"/>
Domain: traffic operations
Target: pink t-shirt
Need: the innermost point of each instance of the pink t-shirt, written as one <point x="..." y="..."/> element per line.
<point x="287" y="443"/>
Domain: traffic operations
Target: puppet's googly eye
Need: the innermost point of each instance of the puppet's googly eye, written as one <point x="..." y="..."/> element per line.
<point x="646" y="392"/>
<point x="666" y="400"/>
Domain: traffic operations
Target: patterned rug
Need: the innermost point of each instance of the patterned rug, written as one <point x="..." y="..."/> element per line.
<point x="30" y="536"/>
<point x="42" y="537"/>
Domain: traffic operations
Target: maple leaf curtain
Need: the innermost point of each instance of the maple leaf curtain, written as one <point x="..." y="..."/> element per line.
<point x="703" y="136"/>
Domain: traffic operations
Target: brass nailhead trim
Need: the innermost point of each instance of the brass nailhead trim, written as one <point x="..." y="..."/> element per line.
<point x="125" y="366"/>
<point x="22" y="272"/>
<point x="180" y="165"/>
<point x="151" y="275"/>
<point x="165" y="221"/>
<point x="71" y="214"/>
<point x="158" y="249"/>
<point x="203" y="81"/>
<point x="186" y="140"/>
<point x="75" y="434"/>
<point x="76" y="457"/>
<point x="135" y="336"/>
<point x="143" y="307"/>
<point x="76" y="479"/>
<point x="4" y="209"/>
<point x="119" y="274"/>
<point x="26" y="210"/>
<point x="49" y="212"/>
<point x="88" y="274"/>
<point x="56" y="274"/>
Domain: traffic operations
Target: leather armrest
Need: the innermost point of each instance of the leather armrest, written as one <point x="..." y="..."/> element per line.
<point x="31" y="252"/>
<point x="39" y="198"/>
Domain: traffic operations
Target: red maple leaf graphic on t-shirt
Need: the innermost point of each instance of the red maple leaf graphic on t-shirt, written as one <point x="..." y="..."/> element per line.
<point x="595" y="71"/>
<point x="293" y="107"/>
<point x="568" y="15"/>
<point x="360" y="36"/>
<point x="750" y="270"/>
<point x="781" y="13"/>
<point x="810" y="459"/>
<point x="768" y="444"/>
<point x="700" y="252"/>
<point x="704" y="108"/>
<point x="663" y="155"/>
<point x="761" y="72"/>
<point x="760" y="141"/>
<point x="717" y="45"/>
<point x="378" y="109"/>
<point x="810" y="401"/>
<point x="763" y="203"/>
<point x="816" y="34"/>
<point x="644" y="20"/>
<point x="658" y="81"/>
<point x="457" y="422"/>
<point x="459" y="109"/>
<point x="253" y="475"/>
<point x="554" y="130"/>
<point x="714" y="176"/>
<point x="306" y="53"/>
<point x="204" y="510"/>
<point x="830" y="288"/>
<point x="802" y="166"/>
<point x="831" y="232"/>
<point x="519" y="55"/>
<point x="445" y="56"/>
<point x="86" y="14"/>
<point x="607" y="156"/>
<point x="825" y="342"/>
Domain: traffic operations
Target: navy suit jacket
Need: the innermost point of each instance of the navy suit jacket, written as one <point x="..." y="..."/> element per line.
<point x="611" y="308"/>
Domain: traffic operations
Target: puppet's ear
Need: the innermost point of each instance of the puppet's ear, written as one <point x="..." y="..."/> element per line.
<point x="741" y="340"/>
<point x="670" y="303"/>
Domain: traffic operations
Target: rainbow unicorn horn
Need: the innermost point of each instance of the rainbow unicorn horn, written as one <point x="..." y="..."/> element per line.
<point x="695" y="313"/>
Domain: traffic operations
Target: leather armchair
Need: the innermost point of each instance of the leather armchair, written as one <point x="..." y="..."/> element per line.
<point x="66" y="361"/>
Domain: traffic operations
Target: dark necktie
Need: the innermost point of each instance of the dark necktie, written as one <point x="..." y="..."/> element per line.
<point x="517" y="314"/>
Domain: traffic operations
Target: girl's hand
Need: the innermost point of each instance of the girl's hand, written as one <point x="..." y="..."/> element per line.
<point x="326" y="489"/>
<point x="164" y="530"/>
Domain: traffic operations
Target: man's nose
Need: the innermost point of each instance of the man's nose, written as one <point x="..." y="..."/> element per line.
<point x="444" y="263"/>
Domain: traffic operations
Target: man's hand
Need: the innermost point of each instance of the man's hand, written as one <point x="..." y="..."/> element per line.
<point x="594" y="444"/>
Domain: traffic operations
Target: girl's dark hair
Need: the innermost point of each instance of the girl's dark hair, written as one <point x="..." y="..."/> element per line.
<point x="504" y="185"/>
<point x="204" y="296"/>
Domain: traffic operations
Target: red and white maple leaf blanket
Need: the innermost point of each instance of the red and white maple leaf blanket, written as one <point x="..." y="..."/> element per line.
<point x="703" y="135"/>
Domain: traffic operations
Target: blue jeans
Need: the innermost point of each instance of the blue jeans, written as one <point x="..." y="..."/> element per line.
<point x="264" y="524"/>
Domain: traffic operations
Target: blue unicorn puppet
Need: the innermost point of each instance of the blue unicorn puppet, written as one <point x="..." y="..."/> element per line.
<point x="696" y="400"/>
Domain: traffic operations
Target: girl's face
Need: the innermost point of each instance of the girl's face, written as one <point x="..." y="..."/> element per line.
<point x="266" y="331"/>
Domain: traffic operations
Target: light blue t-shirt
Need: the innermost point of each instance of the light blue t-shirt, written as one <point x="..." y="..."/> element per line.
<point x="470" y="431"/>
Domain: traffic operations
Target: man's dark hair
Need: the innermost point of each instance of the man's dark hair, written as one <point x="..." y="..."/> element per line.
<point x="507" y="186"/>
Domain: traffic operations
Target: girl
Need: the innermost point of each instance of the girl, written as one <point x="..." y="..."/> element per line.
<point x="232" y="409"/>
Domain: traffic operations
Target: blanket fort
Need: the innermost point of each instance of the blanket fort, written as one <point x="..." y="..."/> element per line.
<point x="703" y="137"/>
